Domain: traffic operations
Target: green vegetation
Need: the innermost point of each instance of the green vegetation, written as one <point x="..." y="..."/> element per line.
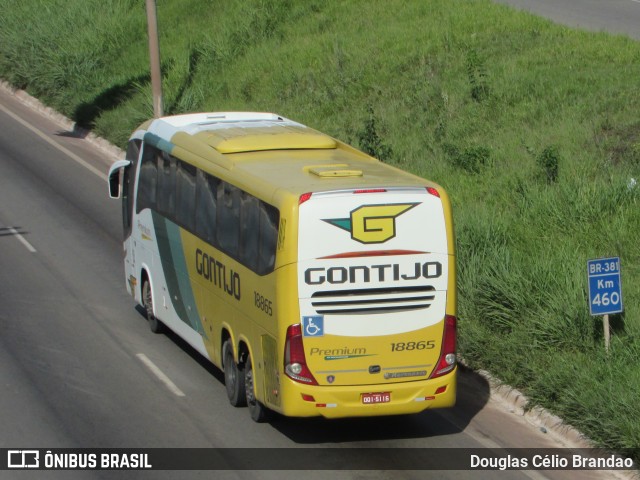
<point x="532" y="127"/>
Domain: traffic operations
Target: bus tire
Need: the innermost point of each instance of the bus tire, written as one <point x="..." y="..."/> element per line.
<point x="155" y="325"/>
<point x="259" y="413"/>
<point x="233" y="377"/>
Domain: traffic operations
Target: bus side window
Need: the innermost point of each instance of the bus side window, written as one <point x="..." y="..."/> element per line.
<point x="269" y="219"/>
<point x="186" y="195"/>
<point x="128" y="179"/>
<point x="166" y="199"/>
<point x="249" y="230"/>
<point x="228" y="218"/>
<point x="206" y="206"/>
<point x="147" y="190"/>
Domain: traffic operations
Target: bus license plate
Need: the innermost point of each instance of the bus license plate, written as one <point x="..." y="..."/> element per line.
<point x="381" y="397"/>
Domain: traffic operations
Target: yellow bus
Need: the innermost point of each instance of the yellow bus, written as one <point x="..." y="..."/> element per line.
<point x="318" y="279"/>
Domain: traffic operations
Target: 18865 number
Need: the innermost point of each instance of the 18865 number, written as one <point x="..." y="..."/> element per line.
<point x="263" y="303"/>
<point x="421" y="345"/>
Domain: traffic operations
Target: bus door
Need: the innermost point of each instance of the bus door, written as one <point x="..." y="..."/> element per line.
<point x="128" y="195"/>
<point x="373" y="269"/>
<point x="122" y="176"/>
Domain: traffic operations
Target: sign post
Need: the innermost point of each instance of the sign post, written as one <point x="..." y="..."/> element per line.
<point x="605" y="290"/>
<point x="154" y="58"/>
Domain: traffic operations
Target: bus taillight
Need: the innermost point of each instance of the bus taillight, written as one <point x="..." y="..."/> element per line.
<point x="433" y="191"/>
<point x="447" y="359"/>
<point x="370" y="190"/>
<point x="304" y="197"/>
<point x="295" y="362"/>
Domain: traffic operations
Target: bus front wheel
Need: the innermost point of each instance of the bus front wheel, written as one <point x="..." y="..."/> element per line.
<point x="155" y="325"/>
<point x="259" y="413"/>
<point x="233" y="377"/>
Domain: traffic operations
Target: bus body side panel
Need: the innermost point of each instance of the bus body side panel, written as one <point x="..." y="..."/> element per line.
<point x="230" y="296"/>
<point x="199" y="291"/>
<point x="159" y="250"/>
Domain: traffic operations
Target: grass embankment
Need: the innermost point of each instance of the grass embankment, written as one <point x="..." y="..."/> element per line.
<point x="533" y="128"/>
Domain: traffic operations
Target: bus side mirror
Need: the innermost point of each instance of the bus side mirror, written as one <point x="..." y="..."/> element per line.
<point x="114" y="177"/>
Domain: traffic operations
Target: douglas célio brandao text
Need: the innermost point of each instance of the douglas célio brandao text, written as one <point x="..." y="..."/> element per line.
<point x="549" y="462"/>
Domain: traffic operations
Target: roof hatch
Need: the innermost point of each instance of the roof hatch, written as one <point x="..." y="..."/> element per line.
<point x="274" y="137"/>
<point x="332" y="172"/>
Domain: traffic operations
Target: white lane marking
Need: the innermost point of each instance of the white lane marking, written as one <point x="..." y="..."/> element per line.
<point x="24" y="242"/>
<point x="53" y="143"/>
<point x="160" y="374"/>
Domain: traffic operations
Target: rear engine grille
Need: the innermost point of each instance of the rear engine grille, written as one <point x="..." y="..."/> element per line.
<point x="372" y="300"/>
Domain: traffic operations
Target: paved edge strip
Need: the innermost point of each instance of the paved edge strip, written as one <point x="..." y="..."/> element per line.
<point x="103" y="145"/>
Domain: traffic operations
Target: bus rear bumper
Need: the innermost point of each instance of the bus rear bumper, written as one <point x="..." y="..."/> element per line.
<point x="369" y="400"/>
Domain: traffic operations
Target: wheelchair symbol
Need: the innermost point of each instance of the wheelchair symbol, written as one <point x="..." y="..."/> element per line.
<point x="313" y="326"/>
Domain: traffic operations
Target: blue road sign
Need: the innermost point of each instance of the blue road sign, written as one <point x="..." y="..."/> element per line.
<point x="605" y="291"/>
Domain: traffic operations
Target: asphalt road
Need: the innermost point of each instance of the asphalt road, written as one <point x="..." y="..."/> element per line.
<point x="612" y="16"/>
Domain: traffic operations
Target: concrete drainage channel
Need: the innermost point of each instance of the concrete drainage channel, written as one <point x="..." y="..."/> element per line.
<point x="517" y="403"/>
<point x="507" y="397"/>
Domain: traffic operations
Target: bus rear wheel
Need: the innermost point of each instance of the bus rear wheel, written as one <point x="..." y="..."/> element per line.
<point x="155" y="325"/>
<point x="259" y="413"/>
<point x="233" y="377"/>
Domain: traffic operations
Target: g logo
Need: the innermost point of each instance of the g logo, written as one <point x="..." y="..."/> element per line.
<point x="372" y="223"/>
